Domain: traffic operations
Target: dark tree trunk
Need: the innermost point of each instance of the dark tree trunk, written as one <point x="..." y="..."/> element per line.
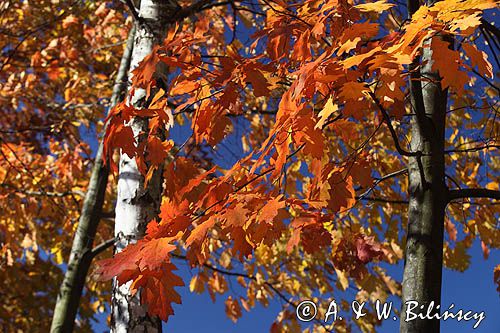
<point x="81" y="256"/>
<point x="427" y="194"/>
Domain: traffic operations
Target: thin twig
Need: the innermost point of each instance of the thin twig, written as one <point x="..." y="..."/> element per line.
<point x="394" y="135"/>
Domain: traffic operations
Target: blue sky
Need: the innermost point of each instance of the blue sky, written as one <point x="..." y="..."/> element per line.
<point x="472" y="290"/>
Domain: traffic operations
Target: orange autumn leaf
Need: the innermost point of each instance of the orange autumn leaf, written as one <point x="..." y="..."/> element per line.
<point x="233" y="309"/>
<point x="449" y="66"/>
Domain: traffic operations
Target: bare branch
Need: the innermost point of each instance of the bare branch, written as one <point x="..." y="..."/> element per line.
<point x="133" y="10"/>
<point x="473" y="149"/>
<point x="473" y="193"/>
<point x="383" y="200"/>
<point x="491" y="28"/>
<point x="101" y="247"/>
<point x="394" y="135"/>
<point x="379" y="180"/>
<point x="197" y="7"/>
<point x="107" y="215"/>
<point x="40" y="193"/>
<point x="485" y="79"/>
<point x="487" y="38"/>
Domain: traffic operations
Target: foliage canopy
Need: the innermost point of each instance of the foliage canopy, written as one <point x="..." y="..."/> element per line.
<point x="291" y="177"/>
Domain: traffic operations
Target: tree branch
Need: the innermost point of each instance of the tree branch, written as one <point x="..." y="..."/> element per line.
<point x="487" y="38"/>
<point x="491" y="28"/>
<point x="197" y="7"/>
<point x="486" y="80"/>
<point x="364" y="195"/>
<point x="133" y="10"/>
<point x="101" y="247"/>
<point x="473" y="193"/>
<point x="473" y="149"/>
<point x="383" y="200"/>
<point x="107" y="215"/>
<point x="394" y="135"/>
<point x="40" y="193"/>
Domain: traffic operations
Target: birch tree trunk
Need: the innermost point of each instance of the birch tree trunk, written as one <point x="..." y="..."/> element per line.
<point x="81" y="256"/>
<point x="427" y="195"/>
<point x="137" y="205"/>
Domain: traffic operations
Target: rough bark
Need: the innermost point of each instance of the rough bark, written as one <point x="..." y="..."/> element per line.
<point x="136" y="204"/>
<point x="81" y="256"/>
<point x="427" y="193"/>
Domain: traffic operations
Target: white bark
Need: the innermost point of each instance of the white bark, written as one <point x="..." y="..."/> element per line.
<point x="137" y="205"/>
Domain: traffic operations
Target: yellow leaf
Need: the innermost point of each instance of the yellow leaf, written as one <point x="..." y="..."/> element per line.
<point x="197" y="284"/>
<point x="357" y="59"/>
<point x="245" y="144"/>
<point x="342" y="279"/>
<point x="349" y="45"/>
<point x="492" y="186"/>
<point x="57" y="252"/>
<point x="327" y="111"/>
<point x="225" y="260"/>
<point x="454" y="135"/>
<point x="377" y="6"/>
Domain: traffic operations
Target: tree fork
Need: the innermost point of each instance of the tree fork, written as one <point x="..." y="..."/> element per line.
<point x="68" y="299"/>
<point x="427" y="193"/>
